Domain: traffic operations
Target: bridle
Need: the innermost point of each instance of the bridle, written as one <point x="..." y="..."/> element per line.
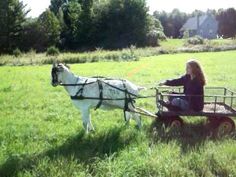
<point x="54" y="76"/>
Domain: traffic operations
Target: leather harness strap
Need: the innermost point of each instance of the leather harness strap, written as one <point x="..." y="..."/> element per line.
<point x="126" y="105"/>
<point x="127" y="99"/>
<point x="79" y="93"/>
<point x="100" y="94"/>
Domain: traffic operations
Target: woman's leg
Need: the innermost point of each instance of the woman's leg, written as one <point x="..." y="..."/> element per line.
<point x="181" y="103"/>
<point x="170" y="98"/>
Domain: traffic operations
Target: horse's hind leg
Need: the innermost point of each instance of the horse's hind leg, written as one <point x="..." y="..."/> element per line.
<point x="137" y="118"/>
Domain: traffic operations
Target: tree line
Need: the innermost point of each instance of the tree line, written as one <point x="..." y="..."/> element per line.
<point x="90" y="24"/>
<point x="78" y="25"/>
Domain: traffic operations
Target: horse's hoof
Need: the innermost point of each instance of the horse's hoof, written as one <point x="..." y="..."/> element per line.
<point x="92" y="131"/>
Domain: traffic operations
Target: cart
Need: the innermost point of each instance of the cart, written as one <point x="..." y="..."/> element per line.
<point x="219" y="108"/>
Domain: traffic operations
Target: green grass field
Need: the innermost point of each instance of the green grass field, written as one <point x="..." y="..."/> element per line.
<point x="41" y="131"/>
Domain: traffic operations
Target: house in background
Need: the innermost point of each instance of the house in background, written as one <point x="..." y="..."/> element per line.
<point x="205" y="26"/>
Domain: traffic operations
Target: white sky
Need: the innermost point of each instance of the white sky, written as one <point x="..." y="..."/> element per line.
<point x="38" y="6"/>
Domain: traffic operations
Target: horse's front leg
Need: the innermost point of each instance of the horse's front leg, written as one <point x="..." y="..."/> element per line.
<point x="86" y="120"/>
<point x="137" y="118"/>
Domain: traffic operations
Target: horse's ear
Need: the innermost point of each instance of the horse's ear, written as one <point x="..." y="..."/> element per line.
<point x="54" y="63"/>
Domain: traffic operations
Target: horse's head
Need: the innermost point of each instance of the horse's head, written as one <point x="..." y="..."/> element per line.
<point x="57" y="73"/>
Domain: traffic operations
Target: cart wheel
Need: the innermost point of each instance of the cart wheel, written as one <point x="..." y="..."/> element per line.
<point x="212" y="123"/>
<point x="175" y="122"/>
<point x="225" y="126"/>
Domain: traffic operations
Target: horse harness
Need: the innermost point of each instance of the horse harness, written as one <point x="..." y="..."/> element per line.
<point x="100" y="81"/>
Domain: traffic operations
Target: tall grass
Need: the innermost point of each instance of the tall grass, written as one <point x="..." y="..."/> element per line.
<point x="170" y="46"/>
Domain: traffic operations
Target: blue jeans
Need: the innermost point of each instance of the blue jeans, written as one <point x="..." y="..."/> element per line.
<point x="181" y="103"/>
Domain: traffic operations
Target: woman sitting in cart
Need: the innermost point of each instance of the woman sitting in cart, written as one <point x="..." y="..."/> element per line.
<point x="193" y="82"/>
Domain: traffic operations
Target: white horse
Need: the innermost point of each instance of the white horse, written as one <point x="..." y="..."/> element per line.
<point x="87" y="93"/>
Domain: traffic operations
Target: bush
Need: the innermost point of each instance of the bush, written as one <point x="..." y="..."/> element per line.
<point x="53" y="51"/>
<point x="161" y="35"/>
<point x="196" y="40"/>
<point x="152" y="38"/>
<point x="17" y="52"/>
<point x="32" y="51"/>
<point x="186" y="34"/>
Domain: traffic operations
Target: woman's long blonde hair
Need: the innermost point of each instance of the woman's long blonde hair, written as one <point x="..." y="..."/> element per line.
<point x="197" y="71"/>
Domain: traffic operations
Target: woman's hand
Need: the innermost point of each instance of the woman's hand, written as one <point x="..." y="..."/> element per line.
<point x="162" y="83"/>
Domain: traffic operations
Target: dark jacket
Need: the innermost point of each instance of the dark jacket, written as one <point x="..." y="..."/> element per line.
<point x="191" y="87"/>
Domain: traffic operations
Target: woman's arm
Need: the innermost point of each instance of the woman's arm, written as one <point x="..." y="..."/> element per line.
<point x="176" y="82"/>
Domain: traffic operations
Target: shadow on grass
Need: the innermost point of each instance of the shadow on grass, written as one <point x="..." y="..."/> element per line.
<point x="85" y="148"/>
<point x="190" y="136"/>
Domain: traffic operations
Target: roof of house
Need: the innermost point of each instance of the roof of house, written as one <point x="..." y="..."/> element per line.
<point x="191" y="23"/>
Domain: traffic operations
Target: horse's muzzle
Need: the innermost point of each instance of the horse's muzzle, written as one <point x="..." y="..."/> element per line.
<point x="54" y="84"/>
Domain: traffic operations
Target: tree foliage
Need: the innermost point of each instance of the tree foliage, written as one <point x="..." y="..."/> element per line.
<point x="12" y="18"/>
<point x="122" y="23"/>
<point x="50" y="28"/>
<point x="56" y="5"/>
<point x="227" y="22"/>
<point x="41" y="33"/>
<point x="171" y="22"/>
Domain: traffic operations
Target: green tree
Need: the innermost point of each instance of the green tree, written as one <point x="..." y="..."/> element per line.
<point x="71" y="16"/>
<point x="76" y="17"/>
<point x="110" y="24"/>
<point x="227" y="22"/>
<point x="49" y="28"/>
<point x="31" y="36"/>
<point x="56" y="5"/>
<point x="155" y="32"/>
<point x="196" y="13"/>
<point x="123" y="23"/>
<point x="86" y="22"/>
<point x="12" y="18"/>
<point x="172" y="22"/>
<point x="42" y="32"/>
